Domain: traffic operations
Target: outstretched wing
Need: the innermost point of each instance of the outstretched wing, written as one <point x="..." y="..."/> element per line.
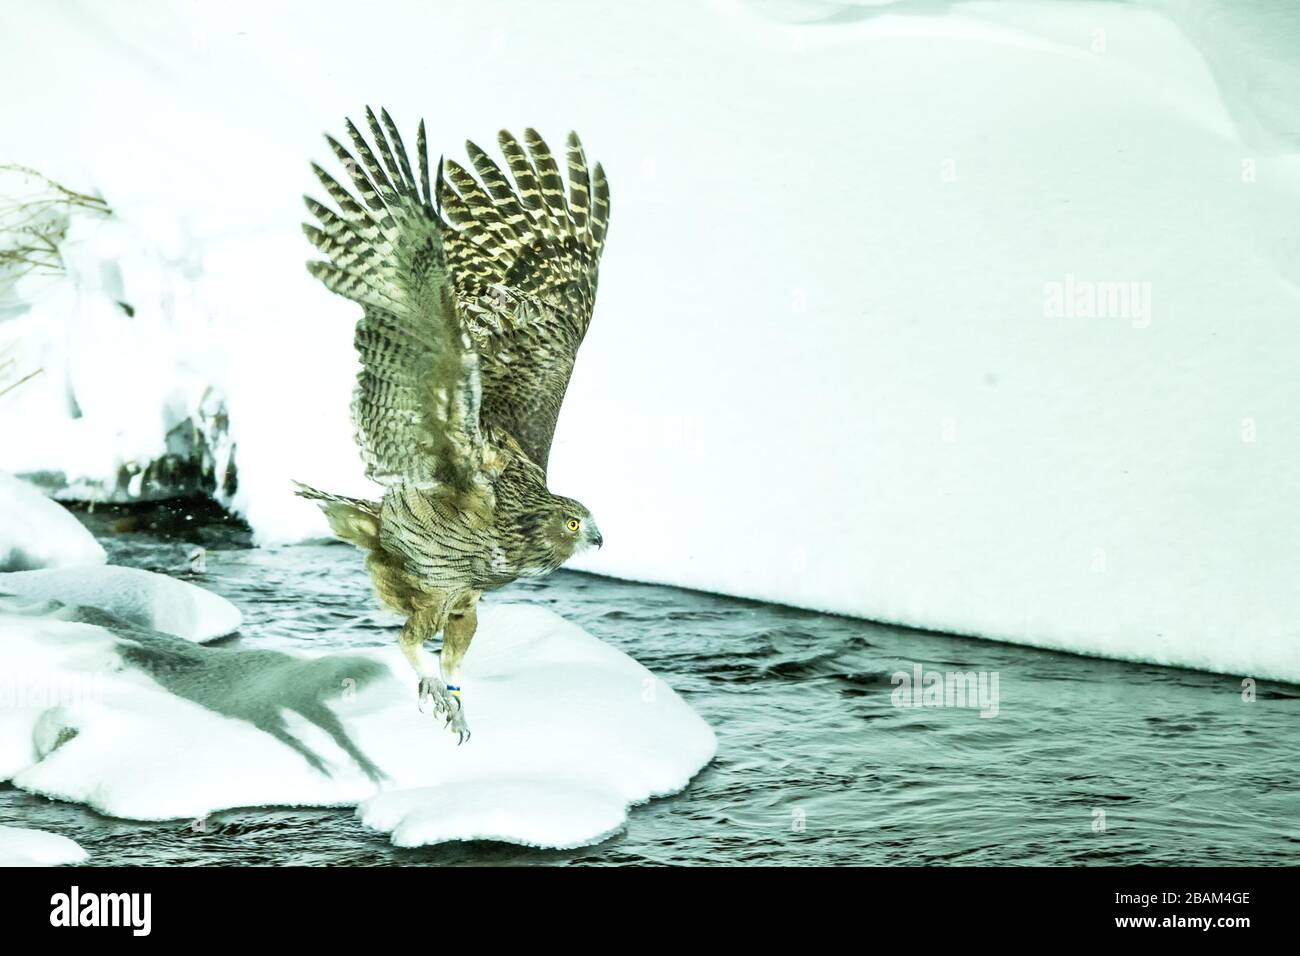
<point x="416" y="404"/>
<point x="524" y="257"/>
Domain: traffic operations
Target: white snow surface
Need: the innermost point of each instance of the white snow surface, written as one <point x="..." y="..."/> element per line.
<point x="826" y="367"/>
<point x="568" y="733"/>
<point x="36" y="532"/>
<point x="20" y="846"/>
<point x="143" y="598"/>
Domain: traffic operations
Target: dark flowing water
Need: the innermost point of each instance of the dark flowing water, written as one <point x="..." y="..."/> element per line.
<point x="1086" y="761"/>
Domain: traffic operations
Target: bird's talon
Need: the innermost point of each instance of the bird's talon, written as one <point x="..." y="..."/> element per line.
<point x="453" y="714"/>
<point x="431" y="691"/>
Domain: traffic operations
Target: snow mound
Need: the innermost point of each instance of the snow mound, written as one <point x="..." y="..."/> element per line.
<point x="36" y="532"/>
<point x="20" y="846"/>
<point x="567" y="731"/>
<point x="142" y="598"/>
<point x="125" y="408"/>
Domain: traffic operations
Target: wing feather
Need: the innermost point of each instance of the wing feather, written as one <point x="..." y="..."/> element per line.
<point x="416" y="407"/>
<point x="471" y="322"/>
<point x="525" y="257"/>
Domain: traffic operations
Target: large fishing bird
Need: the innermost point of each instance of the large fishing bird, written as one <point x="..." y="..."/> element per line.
<point x="475" y="297"/>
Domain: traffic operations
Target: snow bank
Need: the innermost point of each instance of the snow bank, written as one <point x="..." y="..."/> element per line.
<point x="986" y="310"/>
<point x="38" y="533"/>
<point x="126" y="405"/>
<point x="140" y="597"/>
<point x="567" y="732"/>
<point x="20" y="846"/>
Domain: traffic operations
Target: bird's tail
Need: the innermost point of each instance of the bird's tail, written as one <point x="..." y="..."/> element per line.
<point x="354" y="520"/>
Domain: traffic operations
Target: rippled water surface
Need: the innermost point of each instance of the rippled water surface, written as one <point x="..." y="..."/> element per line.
<point x="815" y="764"/>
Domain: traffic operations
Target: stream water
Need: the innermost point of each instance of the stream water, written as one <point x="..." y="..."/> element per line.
<point x="1086" y="761"/>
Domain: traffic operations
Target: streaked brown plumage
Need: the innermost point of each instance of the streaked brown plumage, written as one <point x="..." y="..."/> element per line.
<point x="476" y="296"/>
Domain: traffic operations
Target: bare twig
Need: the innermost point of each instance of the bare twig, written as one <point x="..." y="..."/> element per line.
<point x="33" y="225"/>
<point x="6" y="389"/>
<point x="68" y="195"/>
<point x="8" y="370"/>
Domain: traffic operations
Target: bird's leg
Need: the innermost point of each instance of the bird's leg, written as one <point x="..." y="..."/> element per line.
<point x="456" y="636"/>
<point x="420" y="627"/>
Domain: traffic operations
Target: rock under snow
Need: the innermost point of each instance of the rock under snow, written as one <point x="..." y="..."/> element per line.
<point x="141" y="597"/>
<point x="20" y="846"/>
<point x="567" y="731"/>
<point x="36" y="532"/>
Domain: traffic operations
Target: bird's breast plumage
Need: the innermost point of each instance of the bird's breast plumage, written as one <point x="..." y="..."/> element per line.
<point x="447" y="539"/>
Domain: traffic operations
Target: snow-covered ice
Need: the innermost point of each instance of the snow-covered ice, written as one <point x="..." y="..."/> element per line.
<point x="36" y="532"/>
<point x="567" y="732"/>
<point x="144" y="598"/>
<point x="889" y="243"/>
<point x="20" y="846"/>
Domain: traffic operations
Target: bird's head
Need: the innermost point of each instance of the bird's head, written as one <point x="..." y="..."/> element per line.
<point x="569" y="529"/>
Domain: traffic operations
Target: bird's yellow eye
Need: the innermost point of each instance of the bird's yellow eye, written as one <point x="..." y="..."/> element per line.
<point x="573" y="525"/>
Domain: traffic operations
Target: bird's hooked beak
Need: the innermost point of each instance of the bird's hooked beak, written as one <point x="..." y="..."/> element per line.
<point x="599" y="540"/>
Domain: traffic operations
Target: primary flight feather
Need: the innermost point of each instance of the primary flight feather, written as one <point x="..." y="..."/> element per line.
<point x="476" y="294"/>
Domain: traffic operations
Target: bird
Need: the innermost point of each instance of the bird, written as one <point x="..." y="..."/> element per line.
<point x="475" y="295"/>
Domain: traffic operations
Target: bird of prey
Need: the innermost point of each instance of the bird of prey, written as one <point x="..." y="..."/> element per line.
<point x="475" y="297"/>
